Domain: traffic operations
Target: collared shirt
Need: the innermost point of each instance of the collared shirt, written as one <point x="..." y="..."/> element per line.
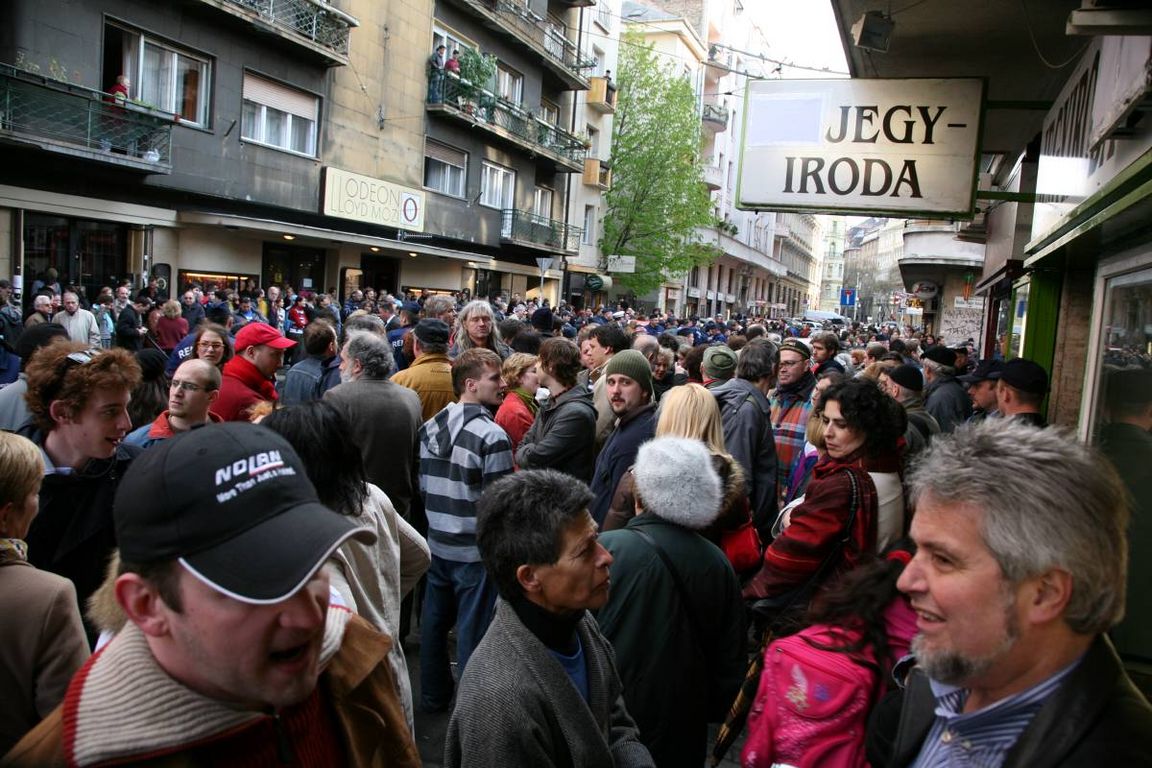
<point x="984" y="737"/>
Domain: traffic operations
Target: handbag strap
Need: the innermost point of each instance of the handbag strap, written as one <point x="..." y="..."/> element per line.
<point x="693" y="619"/>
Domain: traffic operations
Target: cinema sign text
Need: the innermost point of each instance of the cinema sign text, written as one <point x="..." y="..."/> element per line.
<point x="895" y="147"/>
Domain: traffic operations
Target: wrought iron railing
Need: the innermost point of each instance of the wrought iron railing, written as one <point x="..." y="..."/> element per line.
<point x="322" y="26"/>
<point x="486" y="107"/>
<point x="528" y="227"/>
<point x="546" y="35"/>
<point x="716" y="113"/>
<point x="41" y="108"/>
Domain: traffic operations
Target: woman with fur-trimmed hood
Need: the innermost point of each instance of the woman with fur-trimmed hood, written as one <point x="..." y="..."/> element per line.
<point x="691" y="411"/>
<point x="674" y="613"/>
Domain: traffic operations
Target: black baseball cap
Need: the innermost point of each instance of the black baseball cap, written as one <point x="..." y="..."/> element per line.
<point x="233" y="504"/>
<point x="1025" y="375"/>
<point x="988" y="370"/>
<point x="432" y="331"/>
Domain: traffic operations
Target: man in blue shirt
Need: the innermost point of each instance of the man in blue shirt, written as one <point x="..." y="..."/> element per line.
<point x="1018" y="575"/>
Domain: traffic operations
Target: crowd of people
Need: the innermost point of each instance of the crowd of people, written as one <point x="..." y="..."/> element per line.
<point x="224" y="519"/>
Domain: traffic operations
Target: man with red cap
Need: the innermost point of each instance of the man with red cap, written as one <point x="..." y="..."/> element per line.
<point x="250" y="377"/>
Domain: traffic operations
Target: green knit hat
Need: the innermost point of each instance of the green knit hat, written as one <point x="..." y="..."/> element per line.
<point x="632" y="364"/>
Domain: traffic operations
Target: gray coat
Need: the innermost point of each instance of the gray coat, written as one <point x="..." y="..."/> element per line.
<point x="948" y="402"/>
<point x="517" y="708"/>
<point x="562" y="436"/>
<point x="747" y="419"/>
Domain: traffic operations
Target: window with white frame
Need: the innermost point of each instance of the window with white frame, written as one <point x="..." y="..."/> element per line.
<point x="163" y="75"/>
<point x="542" y="202"/>
<point x="450" y="40"/>
<point x="589" y="236"/>
<point x="549" y="112"/>
<point x="509" y="84"/>
<point x="445" y="169"/>
<point x="604" y="16"/>
<point x="497" y="186"/>
<point x="598" y="57"/>
<point x="279" y="116"/>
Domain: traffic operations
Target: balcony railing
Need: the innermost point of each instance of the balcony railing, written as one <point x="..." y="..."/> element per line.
<point x="713" y="177"/>
<point x="715" y="117"/>
<point x="319" y="24"/>
<point x="507" y="120"/>
<point x="527" y="228"/>
<point x="79" y="121"/>
<point x="546" y="39"/>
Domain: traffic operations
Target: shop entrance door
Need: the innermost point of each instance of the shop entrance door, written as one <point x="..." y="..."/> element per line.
<point x="298" y="267"/>
<point x="89" y="254"/>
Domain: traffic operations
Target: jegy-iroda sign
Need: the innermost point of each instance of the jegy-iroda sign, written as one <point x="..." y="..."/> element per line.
<point x="899" y="147"/>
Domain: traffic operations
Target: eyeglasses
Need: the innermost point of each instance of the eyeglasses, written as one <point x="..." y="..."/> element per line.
<point x="209" y="345"/>
<point x="790" y="364"/>
<point x="187" y="386"/>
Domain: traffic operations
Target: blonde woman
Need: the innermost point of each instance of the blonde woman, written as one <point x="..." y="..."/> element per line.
<point x="691" y="411"/>
<point x="171" y="327"/>
<point x="519" y="408"/>
<point x="42" y="641"/>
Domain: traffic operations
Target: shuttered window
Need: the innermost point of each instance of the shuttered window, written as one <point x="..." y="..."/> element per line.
<point x="445" y="169"/>
<point x="279" y="116"/>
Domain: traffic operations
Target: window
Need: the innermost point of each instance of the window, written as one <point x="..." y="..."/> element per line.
<point x="542" y="202"/>
<point x="589" y="236"/>
<point x="509" y="84"/>
<point x="593" y="140"/>
<point x="604" y="16"/>
<point x="450" y="40"/>
<point x="497" y="186"/>
<point x="445" y="169"/>
<point x="598" y="57"/>
<point x="279" y="116"/>
<point x="549" y="112"/>
<point x="163" y="75"/>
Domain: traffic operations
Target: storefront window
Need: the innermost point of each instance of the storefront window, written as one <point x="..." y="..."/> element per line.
<point x="89" y="254"/>
<point x="1019" y="322"/>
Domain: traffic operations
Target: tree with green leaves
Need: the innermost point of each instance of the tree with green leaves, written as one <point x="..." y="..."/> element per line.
<point x="658" y="198"/>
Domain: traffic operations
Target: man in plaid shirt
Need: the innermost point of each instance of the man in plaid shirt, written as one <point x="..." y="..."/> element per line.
<point x="791" y="404"/>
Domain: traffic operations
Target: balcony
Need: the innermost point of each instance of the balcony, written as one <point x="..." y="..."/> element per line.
<point x="534" y="231"/>
<point x="81" y="122"/>
<point x="713" y="177"/>
<point x="715" y="117"/>
<point x="459" y="100"/>
<point x="577" y="3"/>
<point x="597" y="173"/>
<point x="313" y="24"/>
<point x="602" y="95"/>
<point x="543" y="38"/>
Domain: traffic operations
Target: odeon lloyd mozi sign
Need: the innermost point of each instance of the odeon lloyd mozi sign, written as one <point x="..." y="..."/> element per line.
<point x="865" y="146"/>
<point x="349" y="195"/>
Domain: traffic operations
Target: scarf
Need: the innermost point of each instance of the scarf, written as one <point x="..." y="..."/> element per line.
<point x="807" y="380"/>
<point x="13" y="551"/>
<point x="556" y="631"/>
<point x="528" y="398"/>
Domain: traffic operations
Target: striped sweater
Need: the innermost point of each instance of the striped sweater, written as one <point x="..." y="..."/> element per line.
<point x="462" y="450"/>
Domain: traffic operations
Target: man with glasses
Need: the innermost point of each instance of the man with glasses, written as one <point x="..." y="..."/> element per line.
<point x="191" y="394"/>
<point x="78" y="398"/>
<point x="791" y="403"/>
<point x="191" y="309"/>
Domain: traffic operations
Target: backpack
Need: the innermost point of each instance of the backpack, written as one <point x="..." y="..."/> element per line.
<point x="812" y="705"/>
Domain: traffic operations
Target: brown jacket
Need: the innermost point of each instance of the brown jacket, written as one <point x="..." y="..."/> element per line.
<point x="431" y="376"/>
<point x="358" y="680"/>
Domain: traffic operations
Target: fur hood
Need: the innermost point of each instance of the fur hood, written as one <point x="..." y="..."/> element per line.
<point x="675" y="481"/>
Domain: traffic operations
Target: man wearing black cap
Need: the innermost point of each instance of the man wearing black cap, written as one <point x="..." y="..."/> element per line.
<point x="1021" y="390"/>
<point x="981" y="385"/>
<point x="905" y="384"/>
<point x="430" y="374"/>
<point x="231" y="646"/>
<point x="944" y="396"/>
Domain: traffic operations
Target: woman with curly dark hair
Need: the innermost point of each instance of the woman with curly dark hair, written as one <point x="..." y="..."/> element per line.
<point x="839" y="520"/>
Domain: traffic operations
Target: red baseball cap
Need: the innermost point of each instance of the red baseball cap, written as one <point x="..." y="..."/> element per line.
<point x="255" y="334"/>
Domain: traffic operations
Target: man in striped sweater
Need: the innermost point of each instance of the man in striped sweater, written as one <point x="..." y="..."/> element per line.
<point x="462" y="451"/>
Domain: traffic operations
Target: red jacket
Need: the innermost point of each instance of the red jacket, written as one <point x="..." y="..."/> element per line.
<point x="817" y="525"/>
<point x="515" y="417"/>
<point x="242" y="387"/>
